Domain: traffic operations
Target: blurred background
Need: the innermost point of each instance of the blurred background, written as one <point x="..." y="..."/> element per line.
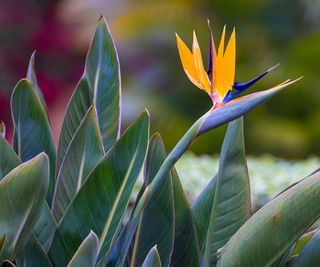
<point x="268" y="32"/>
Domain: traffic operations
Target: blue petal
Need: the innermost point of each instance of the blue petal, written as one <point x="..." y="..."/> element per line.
<point x="240" y="87"/>
<point x="243" y="86"/>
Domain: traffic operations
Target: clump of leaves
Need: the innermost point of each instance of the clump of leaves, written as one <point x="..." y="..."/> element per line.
<point x="67" y="208"/>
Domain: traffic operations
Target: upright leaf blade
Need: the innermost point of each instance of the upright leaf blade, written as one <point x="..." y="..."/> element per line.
<point x="17" y="218"/>
<point x="152" y="259"/>
<point x="8" y="158"/>
<point x="87" y="253"/>
<point x="31" y="76"/>
<point x="231" y="206"/>
<point x="99" y="85"/>
<point x="186" y="248"/>
<point x="158" y="213"/>
<point x="270" y="235"/>
<point x="44" y="227"/>
<point x="84" y="152"/>
<point x="200" y="209"/>
<point x="33" y="255"/>
<point x="101" y="201"/>
<point x="32" y="134"/>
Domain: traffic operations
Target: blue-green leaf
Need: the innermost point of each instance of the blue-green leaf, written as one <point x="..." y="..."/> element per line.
<point x="152" y="259"/>
<point x="186" y="250"/>
<point x="87" y="253"/>
<point x="158" y="213"/>
<point x="22" y="194"/>
<point x="270" y="235"/>
<point x="32" y="134"/>
<point x="200" y="209"/>
<point x="100" y="203"/>
<point x="44" y="227"/>
<point x="8" y="158"/>
<point x="231" y="205"/>
<point x="33" y="255"/>
<point x="100" y="85"/>
<point x="83" y="154"/>
<point x="31" y="76"/>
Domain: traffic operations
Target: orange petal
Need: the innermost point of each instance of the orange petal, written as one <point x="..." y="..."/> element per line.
<point x="187" y="61"/>
<point x="203" y="77"/>
<point x="228" y="65"/>
<point x="218" y="70"/>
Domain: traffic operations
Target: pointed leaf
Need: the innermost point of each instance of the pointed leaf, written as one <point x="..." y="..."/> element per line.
<point x="87" y="253"/>
<point x="231" y="206"/>
<point x="22" y="193"/>
<point x="103" y="198"/>
<point x="45" y="227"/>
<point x="33" y="255"/>
<point x="186" y="249"/>
<point x="158" y="213"/>
<point x="310" y="255"/>
<point x="32" y="134"/>
<point x="152" y="259"/>
<point x="8" y="158"/>
<point x="31" y="76"/>
<point x="271" y="228"/>
<point x="200" y="209"/>
<point x="84" y="152"/>
<point x="99" y="85"/>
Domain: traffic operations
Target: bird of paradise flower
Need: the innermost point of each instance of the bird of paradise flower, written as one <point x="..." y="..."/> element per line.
<point x="218" y="80"/>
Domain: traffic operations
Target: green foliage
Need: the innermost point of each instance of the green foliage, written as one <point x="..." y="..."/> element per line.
<point x="77" y="211"/>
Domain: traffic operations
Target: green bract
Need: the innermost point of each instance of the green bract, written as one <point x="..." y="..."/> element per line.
<point x="75" y="207"/>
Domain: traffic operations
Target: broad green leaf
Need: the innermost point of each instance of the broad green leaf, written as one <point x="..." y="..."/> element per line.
<point x="231" y="205"/>
<point x="310" y="255"/>
<point x="8" y="158"/>
<point x="84" y="152"/>
<point x="100" y="203"/>
<point x="100" y="85"/>
<point x="152" y="259"/>
<point x="45" y="227"/>
<point x="2" y="128"/>
<point x="22" y="194"/>
<point x="158" y="213"/>
<point x="31" y="76"/>
<point x="87" y="253"/>
<point x="32" y="134"/>
<point x="186" y="249"/>
<point x="155" y="158"/>
<point x="271" y="228"/>
<point x="200" y="209"/>
<point x="33" y="255"/>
